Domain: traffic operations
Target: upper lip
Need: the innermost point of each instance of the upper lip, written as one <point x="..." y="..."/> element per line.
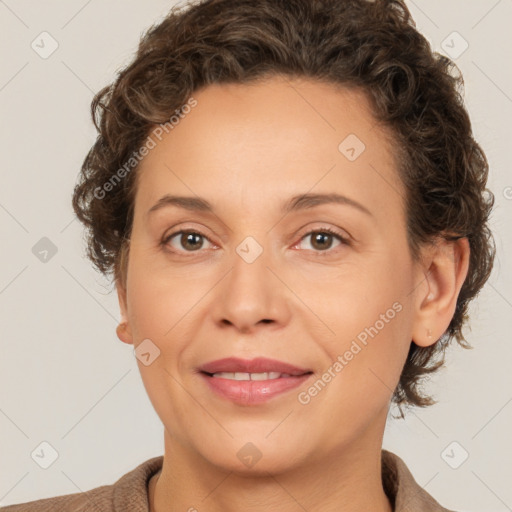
<point x="257" y="365"/>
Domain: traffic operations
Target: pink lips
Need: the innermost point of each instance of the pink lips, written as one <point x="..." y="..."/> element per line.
<point x="248" y="392"/>
<point x="257" y="365"/>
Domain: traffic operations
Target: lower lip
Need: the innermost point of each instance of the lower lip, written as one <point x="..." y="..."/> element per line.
<point x="249" y="392"/>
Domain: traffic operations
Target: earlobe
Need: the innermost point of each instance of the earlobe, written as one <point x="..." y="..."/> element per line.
<point x="436" y="301"/>
<point x="123" y="330"/>
<point x="123" y="333"/>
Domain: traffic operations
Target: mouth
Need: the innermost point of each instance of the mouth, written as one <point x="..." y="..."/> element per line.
<point x="259" y="365"/>
<point x="251" y="382"/>
<point x="249" y="376"/>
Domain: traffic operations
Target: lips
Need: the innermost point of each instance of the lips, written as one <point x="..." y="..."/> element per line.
<point x="257" y="365"/>
<point x="251" y="382"/>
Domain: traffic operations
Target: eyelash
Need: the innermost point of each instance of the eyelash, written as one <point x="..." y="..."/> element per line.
<point x="342" y="239"/>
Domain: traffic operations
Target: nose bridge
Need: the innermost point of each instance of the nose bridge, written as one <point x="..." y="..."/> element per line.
<point x="251" y="293"/>
<point x="250" y="284"/>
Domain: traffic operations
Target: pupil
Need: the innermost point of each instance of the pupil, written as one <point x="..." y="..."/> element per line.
<point x="320" y="237"/>
<point x="189" y="240"/>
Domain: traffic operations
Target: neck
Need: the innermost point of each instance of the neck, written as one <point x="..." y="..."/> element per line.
<point x="349" y="480"/>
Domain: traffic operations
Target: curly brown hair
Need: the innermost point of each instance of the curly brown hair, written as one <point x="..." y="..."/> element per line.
<point x="370" y="45"/>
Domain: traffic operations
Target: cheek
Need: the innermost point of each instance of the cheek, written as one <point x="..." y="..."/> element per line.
<point x="160" y="309"/>
<point x="370" y="311"/>
<point x="362" y="373"/>
<point x="166" y="306"/>
<point x="374" y="345"/>
<point x="157" y="300"/>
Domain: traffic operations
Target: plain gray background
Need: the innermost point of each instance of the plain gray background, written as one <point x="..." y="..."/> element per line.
<point x="67" y="380"/>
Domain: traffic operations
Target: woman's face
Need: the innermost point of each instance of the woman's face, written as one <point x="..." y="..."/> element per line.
<point x="259" y="276"/>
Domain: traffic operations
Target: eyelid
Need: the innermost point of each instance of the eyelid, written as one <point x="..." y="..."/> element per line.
<point x="328" y="229"/>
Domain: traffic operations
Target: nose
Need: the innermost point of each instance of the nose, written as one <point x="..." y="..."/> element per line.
<point x="251" y="296"/>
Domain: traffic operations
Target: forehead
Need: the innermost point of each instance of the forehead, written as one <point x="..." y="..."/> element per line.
<point x="272" y="139"/>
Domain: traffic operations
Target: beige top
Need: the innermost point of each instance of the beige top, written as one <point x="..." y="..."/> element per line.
<point x="130" y="492"/>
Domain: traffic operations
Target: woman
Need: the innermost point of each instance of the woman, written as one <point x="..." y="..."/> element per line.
<point x="292" y="206"/>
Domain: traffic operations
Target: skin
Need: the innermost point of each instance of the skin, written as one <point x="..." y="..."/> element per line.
<point x="247" y="149"/>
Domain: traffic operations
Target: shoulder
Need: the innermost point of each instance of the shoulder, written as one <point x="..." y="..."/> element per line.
<point x="99" y="498"/>
<point x="403" y="489"/>
<point x="129" y="492"/>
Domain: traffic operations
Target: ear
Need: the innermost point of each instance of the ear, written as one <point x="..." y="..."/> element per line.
<point x="123" y="330"/>
<point x="444" y="269"/>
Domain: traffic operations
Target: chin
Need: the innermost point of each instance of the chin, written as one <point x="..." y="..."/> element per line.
<point x="255" y="458"/>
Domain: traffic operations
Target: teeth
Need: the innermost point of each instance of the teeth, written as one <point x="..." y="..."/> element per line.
<point x="265" y="375"/>
<point x="250" y="376"/>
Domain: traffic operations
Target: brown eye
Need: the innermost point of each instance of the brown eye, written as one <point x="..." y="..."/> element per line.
<point x="191" y="241"/>
<point x="185" y="241"/>
<point x="322" y="239"/>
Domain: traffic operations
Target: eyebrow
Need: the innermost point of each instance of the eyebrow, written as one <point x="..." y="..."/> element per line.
<point x="295" y="203"/>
